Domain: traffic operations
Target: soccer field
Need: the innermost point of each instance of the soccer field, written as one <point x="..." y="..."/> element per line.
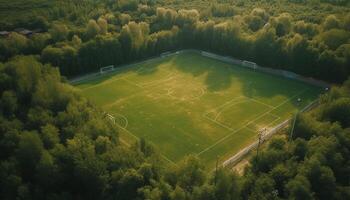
<point x="191" y="104"/>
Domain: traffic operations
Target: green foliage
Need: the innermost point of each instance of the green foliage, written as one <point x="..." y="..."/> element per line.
<point x="92" y="29"/>
<point x="29" y="152"/>
<point x="312" y="165"/>
<point x="331" y="22"/>
<point x="59" y="32"/>
<point x="255" y="31"/>
<point x="334" y="38"/>
<point x="128" y="5"/>
<point x="299" y="188"/>
<point x="101" y="51"/>
<point x="56" y="145"/>
<point x="338" y="111"/>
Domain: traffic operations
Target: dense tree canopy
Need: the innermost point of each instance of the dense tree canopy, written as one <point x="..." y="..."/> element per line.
<point x="290" y="35"/>
<point x="56" y="145"/>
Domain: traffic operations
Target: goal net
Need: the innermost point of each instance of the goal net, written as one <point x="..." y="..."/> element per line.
<point x="249" y="64"/>
<point x="106" y="69"/>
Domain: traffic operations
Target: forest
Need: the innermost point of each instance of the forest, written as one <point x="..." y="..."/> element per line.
<point x="83" y="36"/>
<point x="55" y="144"/>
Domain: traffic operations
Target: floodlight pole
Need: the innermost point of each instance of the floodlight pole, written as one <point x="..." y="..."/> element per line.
<point x="292" y="130"/>
<point x="260" y="135"/>
<point x="216" y="169"/>
<point x="259" y="142"/>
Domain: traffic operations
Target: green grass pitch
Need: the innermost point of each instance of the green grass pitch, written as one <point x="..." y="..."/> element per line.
<point x="190" y="104"/>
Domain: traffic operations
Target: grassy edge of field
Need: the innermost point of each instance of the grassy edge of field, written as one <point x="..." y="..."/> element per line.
<point x="240" y="166"/>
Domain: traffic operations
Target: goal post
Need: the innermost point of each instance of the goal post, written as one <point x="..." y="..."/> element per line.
<point x="106" y="69"/>
<point x="249" y="64"/>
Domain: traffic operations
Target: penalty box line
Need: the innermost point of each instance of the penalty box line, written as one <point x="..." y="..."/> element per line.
<point x="168" y="77"/>
<point x="260" y="116"/>
<point x="230" y="103"/>
<point x="147" y="90"/>
<point x="109" y="81"/>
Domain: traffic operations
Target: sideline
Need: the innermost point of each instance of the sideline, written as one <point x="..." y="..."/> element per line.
<point x="226" y="59"/>
<point x="243" y="152"/>
<point x="260" y="116"/>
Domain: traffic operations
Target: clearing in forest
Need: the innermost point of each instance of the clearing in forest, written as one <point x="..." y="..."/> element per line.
<point x="190" y="104"/>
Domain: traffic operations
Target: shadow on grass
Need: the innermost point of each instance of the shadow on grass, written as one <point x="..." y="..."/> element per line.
<point x="146" y="68"/>
<point x="219" y="77"/>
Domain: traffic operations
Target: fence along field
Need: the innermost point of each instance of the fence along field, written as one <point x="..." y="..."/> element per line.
<point x="189" y="103"/>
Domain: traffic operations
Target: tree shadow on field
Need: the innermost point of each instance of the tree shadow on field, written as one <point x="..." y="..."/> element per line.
<point x="219" y="77"/>
<point x="149" y="68"/>
<point x="218" y="80"/>
<point x="146" y="68"/>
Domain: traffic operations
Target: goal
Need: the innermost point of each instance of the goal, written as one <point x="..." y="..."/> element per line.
<point x="249" y="64"/>
<point x="106" y="69"/>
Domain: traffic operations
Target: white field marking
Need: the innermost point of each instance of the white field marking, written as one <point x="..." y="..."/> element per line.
<point x="143" y="68"/>
<point x="279" y="105"/>
<point x="166" y="158"/>
<point x="108" y="81"/>
<point x="151" y="83"/>
<point x="146" y="69"/>
<point x="118" y="101"/>
<point x="114" y="72"/>
<point x="124" y="142"/>
<point x="276" y="116"/>
<point x="216" y="108"/>
<point x="112" y="117"/>
<point x="203" y="91"/>
<point x="144" y="90"/>
<point x="219" y="123"/>
<point x="188" y="135"/>
<point x="156" y="82"/>
<point x="229" y="106"/>
<point x="97" y="75"/>
<point x="133" y="135"/>
<point x="170" y="76"/>
<point x="133" y="95"/>
<point x="218" y="114"/>
<point x="251" y="129"/>
<point x="257" y="101"/>
<point x="125" y="119"/>
<point x="103" y="83"/>
<point x="205" y="115"/>
<point x="126" y="130"/>
<point x="235" y="131"/>
<point x="132" y="83"/>
<point x="268" y="125"/>
<point x="170" y="92"/>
